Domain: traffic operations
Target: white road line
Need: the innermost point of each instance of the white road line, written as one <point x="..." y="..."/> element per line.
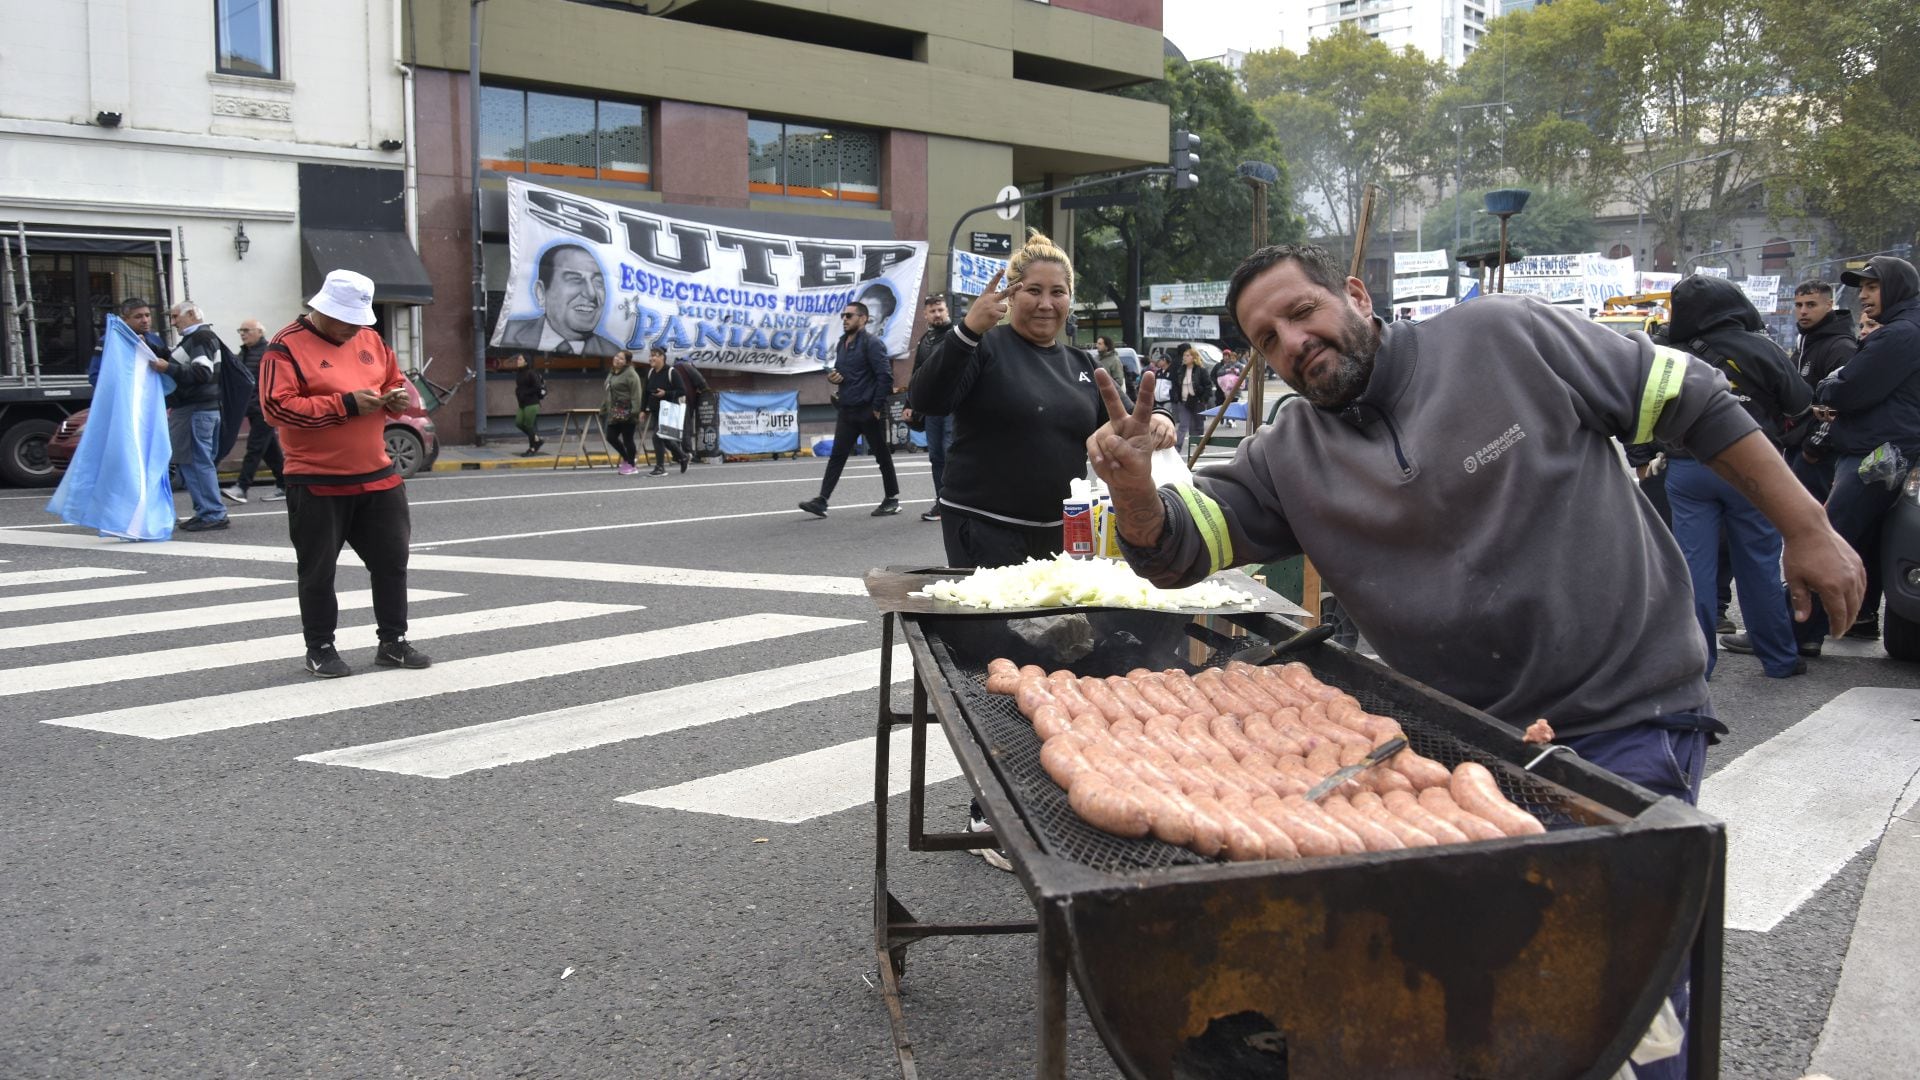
<point x="1803" y="803"/>
<point x="804" y="786"/>
<point x="109" y="669"/>
<point x="165" y="622"/>
<point x="793" y="513"/>
<point x="442" y="754"/>
<point x="144" y="591"/>
<point x="310" y="697"/>
<point x="612" y="573"/>
<point x="65" y="573"/>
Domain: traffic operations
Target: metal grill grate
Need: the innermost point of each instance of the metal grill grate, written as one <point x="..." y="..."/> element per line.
<point x="1013" y="746"/>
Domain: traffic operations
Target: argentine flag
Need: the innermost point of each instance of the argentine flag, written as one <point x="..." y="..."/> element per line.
<point x="117" y="482"/>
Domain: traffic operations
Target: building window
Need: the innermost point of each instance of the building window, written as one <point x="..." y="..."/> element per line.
<point x="247" y="37"/>
<point x="528" y="131"/>
<point x="809" y="162"/>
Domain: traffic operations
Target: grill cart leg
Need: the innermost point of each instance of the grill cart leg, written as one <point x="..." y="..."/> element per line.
<point x="1051" y="990"/>
<point x="889" y="959"/>
<point x="1703" y="1012"/>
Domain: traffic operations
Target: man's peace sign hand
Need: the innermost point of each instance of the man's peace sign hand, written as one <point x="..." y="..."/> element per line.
<point x="1122" y="455"/>
<point x="989" y="307"/>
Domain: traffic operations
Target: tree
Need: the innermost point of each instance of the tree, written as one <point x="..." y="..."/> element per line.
<point x="1199" y="234"/>
<point x="1557" y="221"/>
<point x="1349" y="111"/>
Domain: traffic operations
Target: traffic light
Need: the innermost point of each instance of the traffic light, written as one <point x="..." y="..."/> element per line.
<point x="1185" y="159"/>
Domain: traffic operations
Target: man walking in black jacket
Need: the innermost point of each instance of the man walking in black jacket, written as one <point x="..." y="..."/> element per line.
<point x="939" y="429"/>
<point x="865" y="377"/>
<point x="194" y="367"/>
<point x="263" y="442"/>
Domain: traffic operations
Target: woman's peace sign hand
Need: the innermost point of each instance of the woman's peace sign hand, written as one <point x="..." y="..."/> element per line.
<point x="989" y="307"/>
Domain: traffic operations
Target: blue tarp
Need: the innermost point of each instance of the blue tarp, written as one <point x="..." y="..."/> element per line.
<point x="760" y="423"/>
<point x="117" y="481"/>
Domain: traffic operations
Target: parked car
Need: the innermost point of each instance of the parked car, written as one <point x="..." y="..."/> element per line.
<point x="412" y="443"/>
<point x="1900" y="573"/>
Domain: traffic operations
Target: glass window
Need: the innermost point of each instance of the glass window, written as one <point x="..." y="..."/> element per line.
<point x="560" y="136"/>
<point x="624" y="153"/>
<point x="810" y="162"/>
<point x="563" y="135"/>
<point x="246" y="37"/>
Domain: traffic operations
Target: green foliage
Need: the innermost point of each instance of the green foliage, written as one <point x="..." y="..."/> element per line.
<point x="1197" y="235"/>
<point x="1555" y="222"/>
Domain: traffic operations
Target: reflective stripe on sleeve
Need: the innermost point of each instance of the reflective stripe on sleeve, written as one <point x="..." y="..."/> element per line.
<point x="1663" y="385"/>
<point x="1212" y="523"/>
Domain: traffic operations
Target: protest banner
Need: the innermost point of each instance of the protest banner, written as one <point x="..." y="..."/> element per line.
<point x="973" y="273"/>
<point x="1764" y="291"/>
<point x="762" y="423"/>
<point x="589" y="278"/>
<point x="1169" y="324"/>
<point x="1187" y="295"/>
<point x="1419" y="262"/>
<point x="1428" y="285"/>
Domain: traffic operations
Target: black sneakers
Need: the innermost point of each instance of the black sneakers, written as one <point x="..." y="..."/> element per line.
<point x="887" y="506"/>
<point x="816" y="507"/>
<point x="1865" y="628"/>
<point x="1740" y="643"/>
<point x="200" y="524"/>
<point x="931" y="515"/>
<point x="401" y="653"/>
<point x="325" y="663"/>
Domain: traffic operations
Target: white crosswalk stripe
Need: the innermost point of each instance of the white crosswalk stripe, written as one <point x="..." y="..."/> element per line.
<point x="151" y="623"/>
<point x="106" y="669"/>
<point x="804" y="786"/>
<point x="144" y="591"/>
<point x="175" y="719"/>
<point x="529" y="738"/>
<point x="65" y="573"/>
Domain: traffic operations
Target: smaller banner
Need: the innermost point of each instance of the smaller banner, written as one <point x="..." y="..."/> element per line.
<point x="1170" y="324"/>
<point x="1711" y="271"/>
<point x="1537" y="266"/>
<point x="1764" y="291"/>
<point x="767" y="423"/>
<point x="1419" y="262"/>
<point x="972" y="273"/>
<point x="706" y="416"/>
<point x="1431" y="285"/>
<point x="1654" y="281"/>
<point x="1187" y="295"/>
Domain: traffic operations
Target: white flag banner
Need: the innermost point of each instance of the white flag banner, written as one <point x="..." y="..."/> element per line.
<point x="1711" y="271"/>
<point x="1187" y="295"/>
<point x="590" y="278"/>
<point x="1408" y="288"/>
<point x="1764" y="291"/>
<point x="973" y="273"/>
<point x="1172" y="324"/>
<point x="1419" y="262"/>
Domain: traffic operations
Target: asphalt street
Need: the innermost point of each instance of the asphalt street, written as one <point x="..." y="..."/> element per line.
<point x="182" y="895"/>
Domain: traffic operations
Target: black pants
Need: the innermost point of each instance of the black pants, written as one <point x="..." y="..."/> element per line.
<point x="378" y="527"/>
<point x="977" y="542"/>
<point x="263" y="444"/>
<point x="848" y="427"/>
<point x="620" y="437"/>
<point x="661" y="446"/>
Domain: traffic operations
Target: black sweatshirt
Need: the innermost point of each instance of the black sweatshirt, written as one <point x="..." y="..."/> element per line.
<point x="1021" y="419"/>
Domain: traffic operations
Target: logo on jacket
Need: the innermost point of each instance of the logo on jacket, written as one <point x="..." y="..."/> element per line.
<point x="323" y="363"/>
<point x="366" y="357"/>
<point x="1491" y="452"/>
<point x="1083" y="377"/>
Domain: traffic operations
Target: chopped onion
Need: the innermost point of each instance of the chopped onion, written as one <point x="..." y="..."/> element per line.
<point x="1064" y="581"/>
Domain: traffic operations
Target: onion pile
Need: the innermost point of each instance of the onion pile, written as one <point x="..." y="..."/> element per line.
<point x="1064" y="581"/>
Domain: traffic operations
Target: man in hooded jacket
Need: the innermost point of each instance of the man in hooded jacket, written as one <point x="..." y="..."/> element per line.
<point x="1875" y="404"/>
<point x="1714" y="320"/>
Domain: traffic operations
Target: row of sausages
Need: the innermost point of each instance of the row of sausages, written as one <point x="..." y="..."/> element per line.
<point x="1220" y="761"/>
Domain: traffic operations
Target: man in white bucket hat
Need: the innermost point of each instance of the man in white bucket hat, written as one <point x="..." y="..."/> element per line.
<point x="328" y="382"/>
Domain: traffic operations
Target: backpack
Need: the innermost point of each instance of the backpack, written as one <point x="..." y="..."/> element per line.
<point x="236" y="394"/>
<point x="691" y="378"/>
<point x="1776" y="394"/>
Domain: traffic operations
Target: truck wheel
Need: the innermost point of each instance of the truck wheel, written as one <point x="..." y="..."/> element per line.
<point x="1899" y="636"/>
<point x="406" y="450"/>
<point x="23" y="454"/>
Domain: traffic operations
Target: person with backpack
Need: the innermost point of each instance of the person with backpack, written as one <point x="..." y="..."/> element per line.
<point x="529" y="389"/>
<point x="194" y="367"/>
<point x="1714" y="320"/>
<point x="663" y="386"/>
<point x="696" y="388"/>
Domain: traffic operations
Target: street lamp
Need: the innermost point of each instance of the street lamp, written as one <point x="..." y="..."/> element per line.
<point x="1640" y="226"/>
<point x="1459" y="161"/>
<point x="1503" y="204"/>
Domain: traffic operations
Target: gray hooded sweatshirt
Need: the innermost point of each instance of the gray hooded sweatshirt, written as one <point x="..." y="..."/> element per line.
<point x="1472" y="512"/>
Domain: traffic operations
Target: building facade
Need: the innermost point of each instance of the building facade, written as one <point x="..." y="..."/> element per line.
<point x="215" y="150"/>
<point x="855" y="119"/>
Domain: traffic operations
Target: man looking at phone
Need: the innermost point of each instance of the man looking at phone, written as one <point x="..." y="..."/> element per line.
<point x="328" y="383"/>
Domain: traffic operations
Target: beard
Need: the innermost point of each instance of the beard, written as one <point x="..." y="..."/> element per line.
<point x="1352" y="365"/>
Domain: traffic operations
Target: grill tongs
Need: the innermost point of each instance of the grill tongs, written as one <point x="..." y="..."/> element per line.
<point x="1340" y="776"/>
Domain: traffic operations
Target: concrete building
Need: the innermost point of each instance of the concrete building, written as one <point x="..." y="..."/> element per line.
<point x="225" y="152"/>
<point x="1445" y="30"/>
<point x="855" y="119"/>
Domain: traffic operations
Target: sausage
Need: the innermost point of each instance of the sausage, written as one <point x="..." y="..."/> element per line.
<point x="1165" y="732"/>
<point x="1153" y="687"/>
<point x="1245" y="842"/>
<point x="1129" y="696"/>
<point x="1050" y="720"/>
<point x="1229" y="775"/>
<point x="1350" y="842"/>
<point x="1180" y="685"/>
<point x="1440" y="802"/>
<point x="1474" y="789"/>
<point x="1095" y="691"/>
<point x="1032" y="671"/>
<point x="1407" y="808"/>
<point x="1276" y="841"/>
<point x="1265" y="768"/>
<point x="1308" y="838"/>
<point x="1126" y="726"/>
<point x="1301" y="678"/>
<point x="1214" y="684"/>
<point x="1314" y="718"/>
<point x="1168" y="818"/>
<point x="1405" y="831"/>
<point x="1209" y="824"/>
<point x="1424" y="772"/>
<point x="1198" y="733"/>
<point x="1227" y="732"/>
<point x="1067" y="689"/>
<point x="1260" y="731"/>
<point x="1062" y="759"/>
<point x="1347" y="712"/>
<point x="1324" y="759"/>
<point x="1297" y="770"/>
<point x="1375" y="836"/>
<point x="1107" y="806"/>
<point x="1249" y="688"/>
<point x="1003" y="682"/>
<point x="1279" y="689"/>
<point x="1031" y="694"/>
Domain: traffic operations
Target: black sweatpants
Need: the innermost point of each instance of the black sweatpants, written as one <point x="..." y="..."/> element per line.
<point x="620" y="436"/>
<point x="379" y="528"/>
<point x="263" y="444"/>
<point x="977" y="542"/>
<point x="848" y="427"/>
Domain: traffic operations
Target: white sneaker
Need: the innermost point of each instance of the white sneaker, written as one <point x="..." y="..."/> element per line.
<point x="276" y="495"/>
<point x="233" y="493"/>
<point x="995" y="858"/>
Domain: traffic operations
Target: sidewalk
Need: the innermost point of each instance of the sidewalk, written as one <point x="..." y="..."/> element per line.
<point x="1870" y="1033"/>
<point x="502" y="454"/>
